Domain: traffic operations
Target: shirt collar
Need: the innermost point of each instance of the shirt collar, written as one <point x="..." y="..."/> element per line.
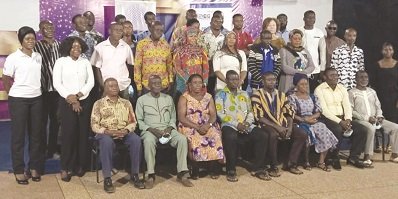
<point x="108" y="43"/>
<point x="21" y="54"/>
<point x="109" y="99"/>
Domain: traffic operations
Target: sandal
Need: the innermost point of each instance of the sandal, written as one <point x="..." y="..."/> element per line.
<point x="262" y="175"/>
<point x="231" y="176"/>
<point x="323" y="167"/>
<point x="307" y="166"/>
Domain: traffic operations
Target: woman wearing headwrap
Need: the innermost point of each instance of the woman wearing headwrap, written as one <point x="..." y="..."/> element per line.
<point x="308" y="111"/>
<point x="21" y="79"/>
<point x="295" y="59"/>
<point x="190" y="58"/>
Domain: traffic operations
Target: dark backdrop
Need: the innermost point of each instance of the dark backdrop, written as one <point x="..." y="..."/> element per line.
<point x="376" y="22"/>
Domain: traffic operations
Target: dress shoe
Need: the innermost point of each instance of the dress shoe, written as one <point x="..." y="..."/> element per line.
<point x="336" y="164"/>
<point x="21" y="181"/>
<point x="108" y="186"/>
<point x="150" y="181"/>
<point x="182" y="177"/>
<point x="36" y="177"/>
<point x="80" y="172"/>
<point x="137" y="182"/>
<point x="65" y="176"/>
<point x="356" y="163"/>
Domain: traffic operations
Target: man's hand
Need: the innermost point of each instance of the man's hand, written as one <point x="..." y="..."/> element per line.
<point x="289" y="132"/>
<point x="156" y="132"/>
<point x="76" y="107"/>
<point x="168" y="130"/>
<point x="241" y="127"/>
<point x="346" y="124"/>
<point x="380" y="120"/>
<point x="71" y="99"/>
<point x="372" y="120"/>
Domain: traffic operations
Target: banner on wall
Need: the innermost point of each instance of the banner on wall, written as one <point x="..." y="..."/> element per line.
<point x="205" y="8"/>
<point x="134" y="11"/>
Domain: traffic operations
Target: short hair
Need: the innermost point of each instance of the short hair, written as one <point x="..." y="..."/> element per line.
<point x="41" y="24"/>
<point x="119" y="17"/>
<point x="75" y="17"/>
<point x="231" y="72"/>
<point x="327" y="70"/>
<point x="114" y="23"/>
<point x="66" y="45"/>
<point x="268" y="73"/>
<point x="268" y="20"/>
<point x="330" y="23"/>
<point x="265" y="32"/>
<point x="295" y="31"/>
<point x="192" y="21"/>
<point x="281" y="15"/>
<point x="147" y="14"/>
<point x="194" y="76"/>
<point x="154" y="77"/>
<point x="385" y="44"/>
<point x="23" y="31"/>
<point x="127" y="22"/>
<point x="360" y="72"/>
<point x="306" y="13"/>
<point x="88" y="13"/>
<point x="237" y="15"/>
<point x="350" y="30"/>
<point x="215" y="17"/>
<point x="191" y="10"/>
<point x="217" y="12"/>
<point x="157" y="23"/>
<point x="109" y="80"/>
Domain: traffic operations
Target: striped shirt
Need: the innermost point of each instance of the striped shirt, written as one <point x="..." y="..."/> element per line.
<point x="255" y="62"/>
<point x="49" y="54"/>
<point x="274" y="107"/>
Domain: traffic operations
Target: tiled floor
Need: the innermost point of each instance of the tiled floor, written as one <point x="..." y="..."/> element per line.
<point x="380" y="182"/>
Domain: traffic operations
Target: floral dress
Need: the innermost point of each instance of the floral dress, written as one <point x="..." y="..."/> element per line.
<point x="324" y="138"/>
<point x="203" y="147"/>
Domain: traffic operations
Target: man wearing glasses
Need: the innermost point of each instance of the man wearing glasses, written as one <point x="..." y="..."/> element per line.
<point x="331" y="41"/>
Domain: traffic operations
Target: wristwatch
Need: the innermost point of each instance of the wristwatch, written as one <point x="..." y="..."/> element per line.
<point x="211" y="124"/>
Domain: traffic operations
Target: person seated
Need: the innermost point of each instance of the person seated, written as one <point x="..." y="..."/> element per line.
<point x="367" y="111"/>
<point x="274" y="114"/>
<point x="113" y="119"/>
<point x="235" y="112"/>
<point x="337" y="115"/>
<point x="308" y="110"/>
<point x="156" y="116"/>
<point x="197" y="121"/>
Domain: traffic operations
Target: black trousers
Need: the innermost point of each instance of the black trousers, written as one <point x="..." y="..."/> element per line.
<point x="26" y="113"/>
<point x="314" y="81"/>
<point x="211" y="82"/>
<point x="230" y="139"/>
<point x="299" y="138"/>
<point x="358" y="138"/>
<point x="75" y="132"/>
<point x="51" y="117"/>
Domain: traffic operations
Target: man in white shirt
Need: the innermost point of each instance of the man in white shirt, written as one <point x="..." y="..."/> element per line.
<point x="310" y="41"/>
<point x="367" y="111"/>
<point x="110" y="58"/>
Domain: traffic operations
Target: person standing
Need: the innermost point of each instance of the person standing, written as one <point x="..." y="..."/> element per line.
<point x="79" y="23"/>
<point x="110" y="58"/>
<point x="73" y="78"/>
<point x="179" y="32"/>
<point x="48" y="47"/>
<point x="213" y="41"/>
<point x="153" y="57"/>
<point x="310" y="41"/>
<point x="348" y="59"/>
<point x="243" y="39"/>
<point x="98" y="37"/>
<point x="330" y="42"/>
<point x="386" y="82"/>
<point x="21" y="80"/>
<point x="283" y="31"/>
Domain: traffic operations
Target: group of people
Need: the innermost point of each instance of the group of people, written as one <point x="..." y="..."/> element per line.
<point x="228" y="88"/>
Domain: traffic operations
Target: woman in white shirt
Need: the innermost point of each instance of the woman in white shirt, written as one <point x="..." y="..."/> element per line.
<point x="229" y="58"/>
<point x="73" y="78"/>
<point x="23" y="67"/>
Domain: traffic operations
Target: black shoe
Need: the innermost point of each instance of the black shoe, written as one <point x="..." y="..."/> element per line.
<point x="182" y="177"/>
<point x="137" y="182"/>
<point x="65" y="176"/>
<point x="336" y="164"/>
<point x="108" y="186"/>
<point x="358" y="164"/>
<point x="80" y="172"/>
<point x="150" y="181"/>
<point x="23" y="181"/>
<point x="36" y="177"/>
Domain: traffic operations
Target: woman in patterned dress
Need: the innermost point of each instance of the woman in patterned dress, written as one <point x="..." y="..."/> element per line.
<point x="190" y="58"/>
<point x="197" y="120"/>
<point x="308" y="111"/>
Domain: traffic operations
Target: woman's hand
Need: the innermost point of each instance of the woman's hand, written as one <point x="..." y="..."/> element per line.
<point x="310" y="120"/>
<point x="204" y="128"/>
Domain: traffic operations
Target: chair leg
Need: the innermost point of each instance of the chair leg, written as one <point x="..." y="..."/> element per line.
<point x="96" y="163"/>
<point x="382" y="143"/>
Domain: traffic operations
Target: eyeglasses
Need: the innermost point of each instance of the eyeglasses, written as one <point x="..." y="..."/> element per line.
<point x="332" y="28"/>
